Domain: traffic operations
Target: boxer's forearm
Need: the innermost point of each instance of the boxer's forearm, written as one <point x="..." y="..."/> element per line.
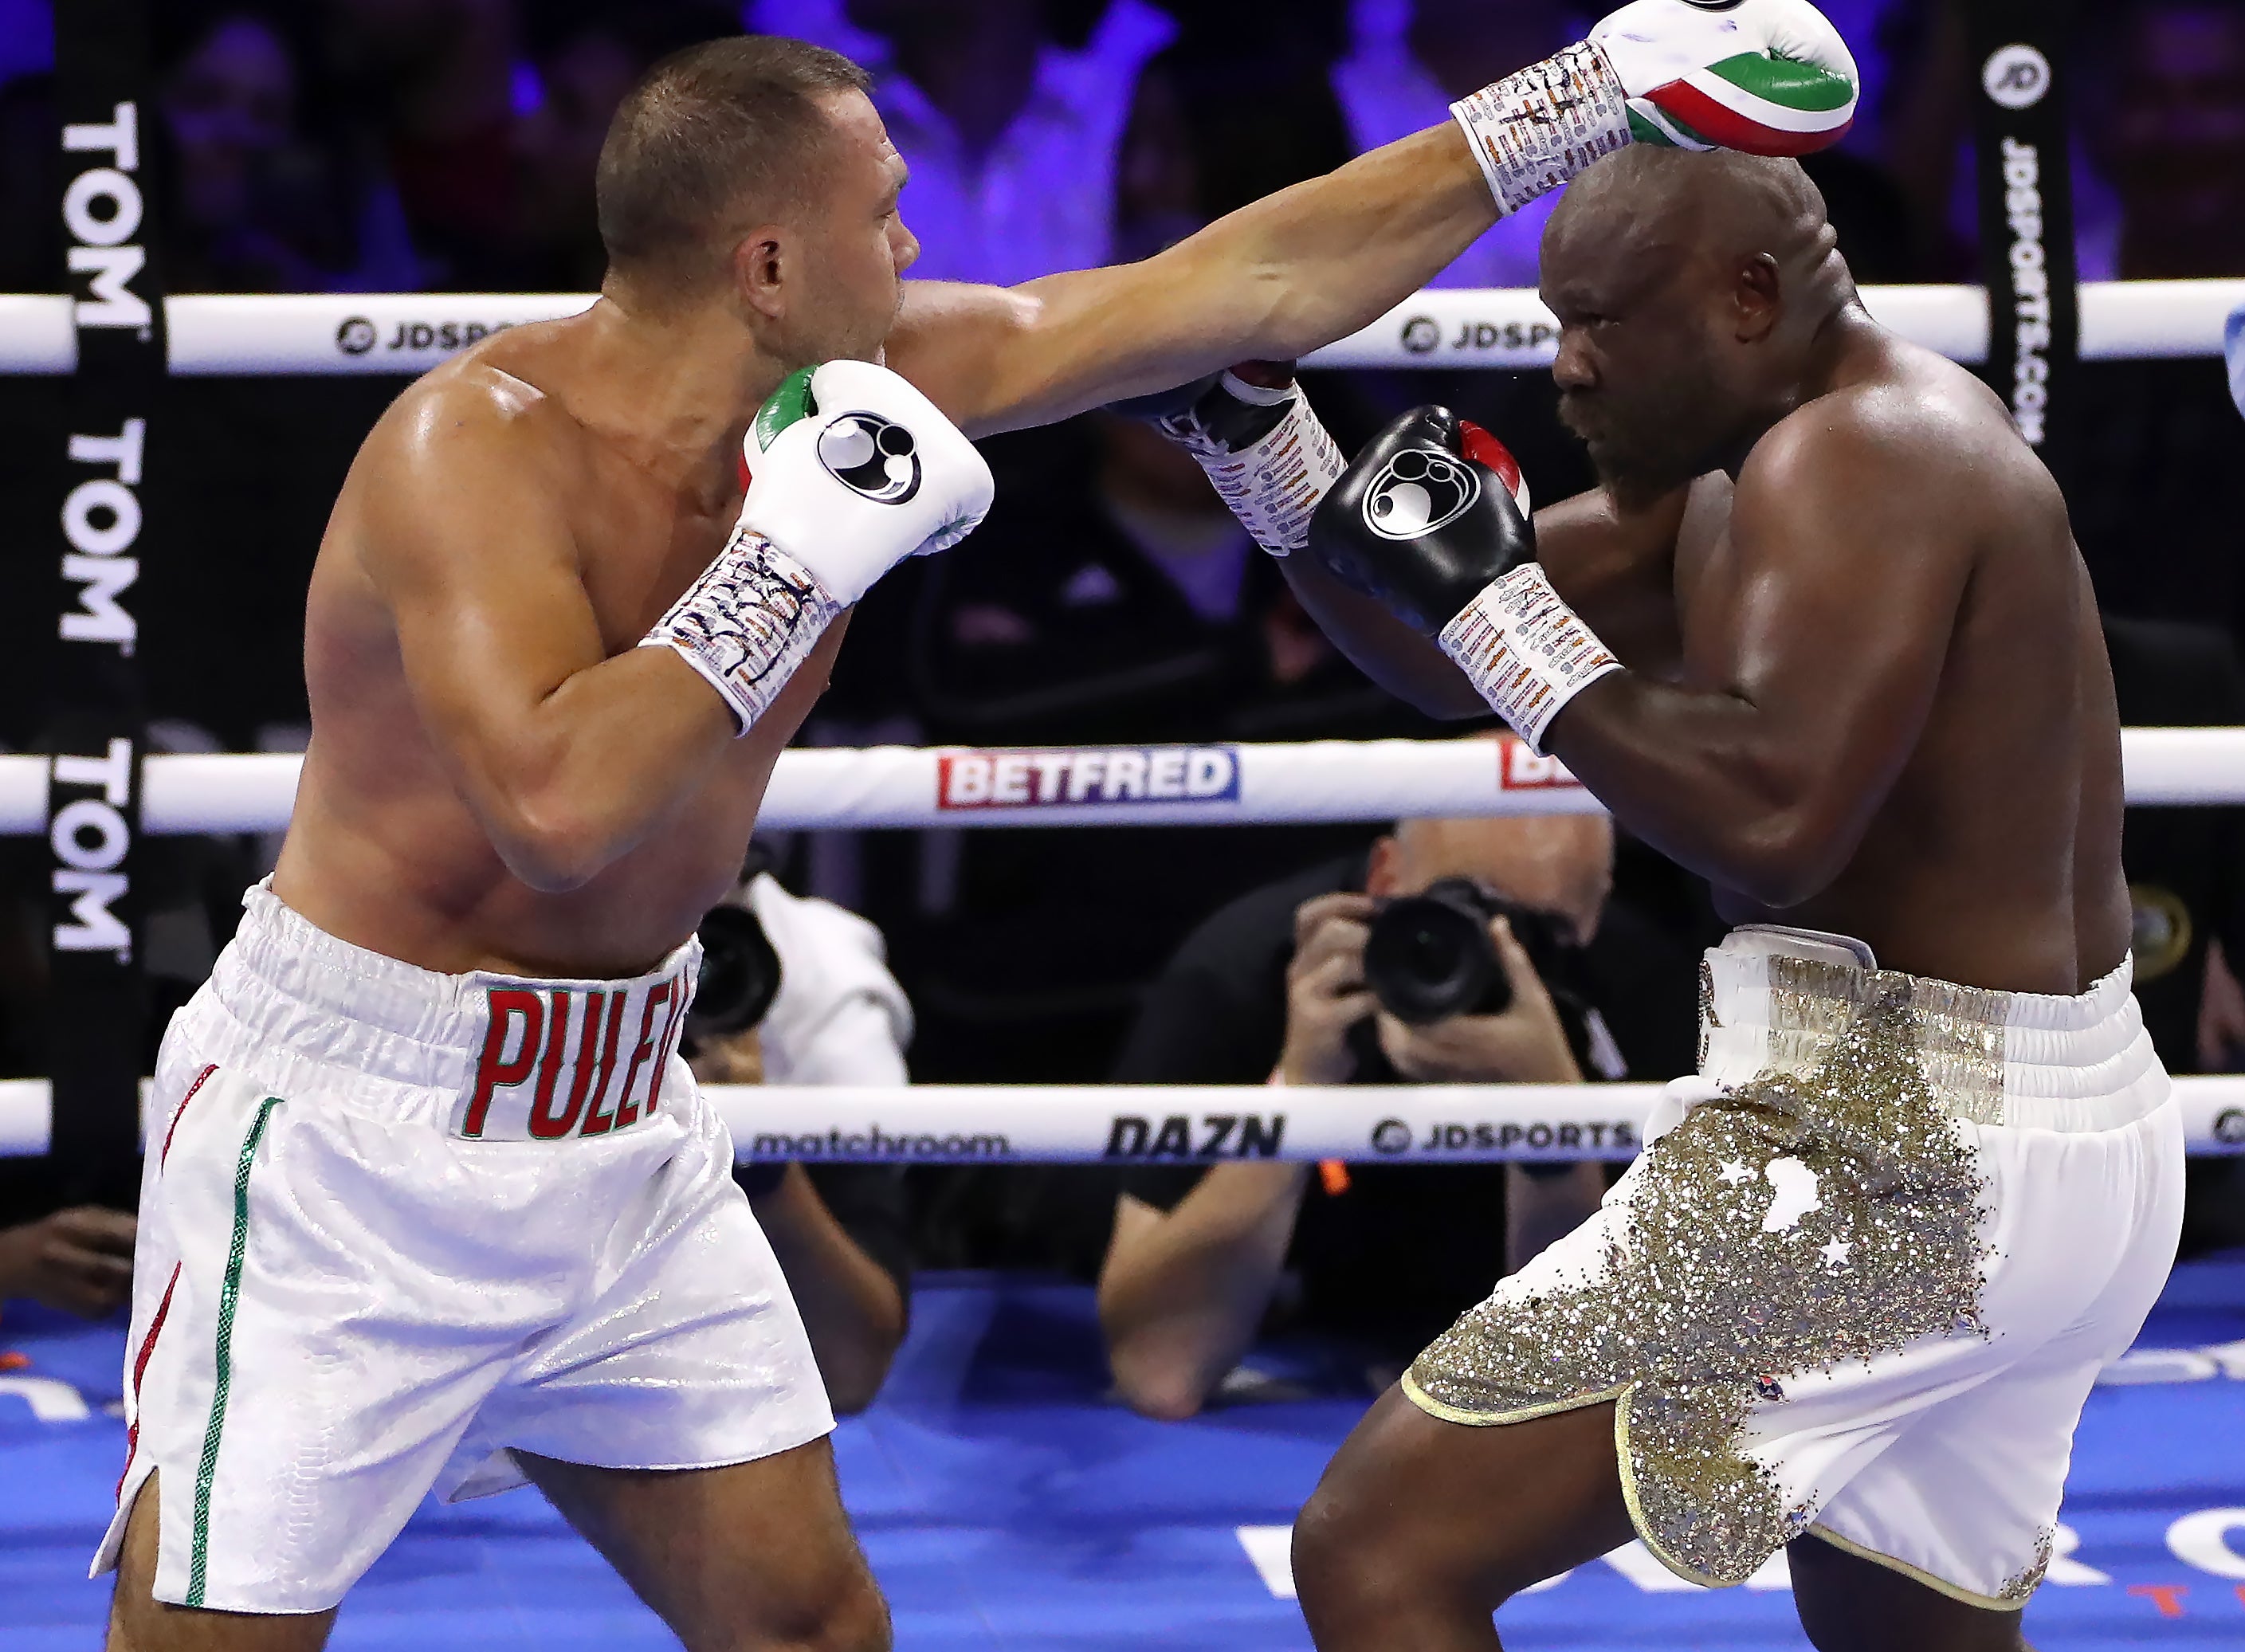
<point x="1407" y="664"/>
<point x="569" y="783"/>
<point x="1275" y="280"/>
<point x="1336" y="253"/>
<point x="573" y="783"/>
<point x="1754" y="800"/>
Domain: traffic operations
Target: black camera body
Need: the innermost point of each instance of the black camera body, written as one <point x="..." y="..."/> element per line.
<point x="740" y="977"/>
<point x="1430" y="956"/>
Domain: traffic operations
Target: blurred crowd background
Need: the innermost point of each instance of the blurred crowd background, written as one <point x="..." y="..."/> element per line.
<point x="448" y="145"/>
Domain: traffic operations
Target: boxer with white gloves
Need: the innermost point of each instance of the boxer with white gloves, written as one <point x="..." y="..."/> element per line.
<point x="850" y="470"/>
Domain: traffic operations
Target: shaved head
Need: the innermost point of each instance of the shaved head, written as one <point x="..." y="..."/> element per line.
<point x="1688" y="289"/>
<point x="1723" y="205"/>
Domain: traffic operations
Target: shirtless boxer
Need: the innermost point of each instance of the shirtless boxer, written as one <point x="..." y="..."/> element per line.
<point x="1822" y="635"/>
<point x="430" y="1201"/>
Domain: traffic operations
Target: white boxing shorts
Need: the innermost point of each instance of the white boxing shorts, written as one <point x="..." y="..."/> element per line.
<point x="1863" y="1275"/>
<point x="396" y="1225"/>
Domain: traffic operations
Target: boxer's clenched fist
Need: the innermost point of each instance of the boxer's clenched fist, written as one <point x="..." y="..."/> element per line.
<point x="1767" y="76"/>
<point x="1262" y="444"/>
<point x="850" y="470"/>
<point x="1431" y="511"/>
<point x="1432" y="520"/>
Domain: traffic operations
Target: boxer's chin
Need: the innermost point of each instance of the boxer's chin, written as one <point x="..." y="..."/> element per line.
<point x="1636" y="476"/>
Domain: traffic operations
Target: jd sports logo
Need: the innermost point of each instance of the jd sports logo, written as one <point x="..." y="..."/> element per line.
<point x="873" y="455"/>
<point x="1417" y="491"/>
<point x="2015" y="77"/>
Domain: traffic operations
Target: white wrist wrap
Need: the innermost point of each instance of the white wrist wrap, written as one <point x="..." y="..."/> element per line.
<point x="1525" y="650"/>
<point x="748" y="623"/>
<point x="1272" y="485"/>
<point x="1534" y="130"/>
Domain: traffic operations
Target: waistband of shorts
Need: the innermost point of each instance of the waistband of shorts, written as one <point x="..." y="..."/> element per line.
<point x="1774" y="996"/>
<point x="289" y="981"/>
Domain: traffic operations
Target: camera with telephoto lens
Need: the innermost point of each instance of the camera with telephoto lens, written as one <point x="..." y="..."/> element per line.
<point x="1430" y="956"/>
<point x="740" y="978"/>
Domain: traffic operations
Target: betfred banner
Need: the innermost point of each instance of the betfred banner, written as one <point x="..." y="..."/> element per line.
<point x="1064" y="777"/>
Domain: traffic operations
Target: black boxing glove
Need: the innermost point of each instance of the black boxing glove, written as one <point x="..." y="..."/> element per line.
<point x="1263" y="447"/>
<point x="1431" y="521"/>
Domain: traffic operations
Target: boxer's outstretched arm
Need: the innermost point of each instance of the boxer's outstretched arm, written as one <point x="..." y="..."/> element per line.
<point x="1820" y="637"/>
<point x="567" y="757"/>
<point x="1275" y="280"/>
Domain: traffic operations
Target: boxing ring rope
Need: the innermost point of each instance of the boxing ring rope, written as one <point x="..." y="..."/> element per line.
<point x="1140" y="1124"/>
<point x="1329" y="780"/>
<point x="212" y="335"/>
<point x="1323" y="780"/>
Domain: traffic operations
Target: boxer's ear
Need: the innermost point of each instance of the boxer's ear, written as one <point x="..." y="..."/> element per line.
<point x="1757" y="298"/>
<point x="767" y="265"/>
<point x="1380" y="871"/>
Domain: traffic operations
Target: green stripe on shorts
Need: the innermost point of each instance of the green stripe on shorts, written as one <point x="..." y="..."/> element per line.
<point x="230" y="1293"/>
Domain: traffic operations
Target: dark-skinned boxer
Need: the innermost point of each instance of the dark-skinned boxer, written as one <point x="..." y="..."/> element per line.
<point x="1823" y="636"/>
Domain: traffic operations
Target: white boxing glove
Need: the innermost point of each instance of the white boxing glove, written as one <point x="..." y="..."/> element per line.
<point x="850" y="470"/>
<point x="1765" y="77"/>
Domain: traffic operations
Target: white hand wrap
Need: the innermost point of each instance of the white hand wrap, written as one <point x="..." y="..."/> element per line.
<point x="1272" y="485"/>
<point x="1525" y="650"/>
<point x="748" y="623"/>
<point x="1533" y="131"/>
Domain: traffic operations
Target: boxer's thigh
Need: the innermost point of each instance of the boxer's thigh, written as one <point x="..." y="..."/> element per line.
<point x="1417" y="1515"/>
<point x="140" y="1622"/>
<point x="1849" y="1604"/>
<point x="738" y="1555"/>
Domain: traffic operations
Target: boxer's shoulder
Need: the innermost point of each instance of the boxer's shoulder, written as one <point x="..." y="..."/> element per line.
<point x="1922" y="437"/>
<point x="478" y="425"/>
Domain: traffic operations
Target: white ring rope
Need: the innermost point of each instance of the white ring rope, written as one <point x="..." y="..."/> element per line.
<point x="217" y="334"/>
<point x="1193" y="1124"/>
<point x="905" y="786"/>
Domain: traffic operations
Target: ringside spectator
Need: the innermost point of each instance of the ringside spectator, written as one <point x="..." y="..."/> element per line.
<point x="838" y="1017"/>
<point x="1275" y="986"/>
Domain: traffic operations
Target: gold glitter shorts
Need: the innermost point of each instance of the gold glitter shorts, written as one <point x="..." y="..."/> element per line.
<point x="1863" y="1277"/>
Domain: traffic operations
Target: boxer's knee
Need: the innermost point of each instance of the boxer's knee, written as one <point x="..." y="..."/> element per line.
<point x="140" y="1622"/>
<point x="837" y="1608"/>
<point x="1364" y="1562"/>
<point x="853" y="1617"/>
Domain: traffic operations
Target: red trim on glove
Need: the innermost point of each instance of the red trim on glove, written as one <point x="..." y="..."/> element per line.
<point x="1493" y="456"/>
<point x="1731" y="130"/>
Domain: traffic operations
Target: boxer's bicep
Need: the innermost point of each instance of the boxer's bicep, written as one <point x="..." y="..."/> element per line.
<point x="1833" y="619"/>
<point x="479" y="571"/>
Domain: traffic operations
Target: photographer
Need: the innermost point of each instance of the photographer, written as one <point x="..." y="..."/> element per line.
<point x="795" y="992"/>
<point x="1277" y="985"/>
